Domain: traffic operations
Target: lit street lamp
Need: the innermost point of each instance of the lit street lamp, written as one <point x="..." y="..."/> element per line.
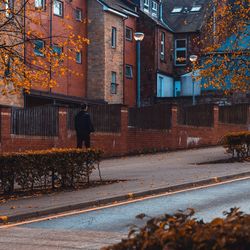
<point x="193" y="59"/>
<point x="138" y="36"/>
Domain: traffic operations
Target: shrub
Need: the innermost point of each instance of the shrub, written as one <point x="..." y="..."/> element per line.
<point x="182" y="232"/>
<point x="30" y="169"/>
<point x="237" y="144"/>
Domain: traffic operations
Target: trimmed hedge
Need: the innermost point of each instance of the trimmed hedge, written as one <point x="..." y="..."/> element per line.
<point x="182" y="232"/>
<point x="47" y="168"/>
<point x="237" y="144"/>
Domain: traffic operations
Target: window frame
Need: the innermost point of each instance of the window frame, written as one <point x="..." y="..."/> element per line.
<point x="180" y="49"/>
<point x="131" y="33"/>
<point x="36" y="51"/>
<point x="80" y="11"/>
<point x="146" y="5"/>
<point x="113" y="84"/>
<point x="42" y="6"/>
<point x="62" y="8"/>
<point x="113" y="37"/>
<point x="9" y="5"/>
<point x="162" y="46"/>
<point x="155" y="10"/>
<point x="130" y="76"/>
<point x="79" y="61"/>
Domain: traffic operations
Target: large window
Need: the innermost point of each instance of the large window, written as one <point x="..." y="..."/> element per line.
<point x="129" y="34"/>
<point x="146" y="5"/>
<point x="78" y="14"/>
<point x="129" y="71"/>
<point x="58" y="8"/>
<point x="40" y="4"/>
<point x="180" y="52"/>
<point x="162" y="53"/>
<point x="113" y="37"/>
<point x="39" y="47"/>
<point x="57" y="50"/>
<point x="113" y="87"/>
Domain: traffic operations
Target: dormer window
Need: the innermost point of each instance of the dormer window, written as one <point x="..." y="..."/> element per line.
<point x="146" y="5"/>
<point x="176" y="10"/>
<point x="195" y="8"/>
<point x="154" y="8"/>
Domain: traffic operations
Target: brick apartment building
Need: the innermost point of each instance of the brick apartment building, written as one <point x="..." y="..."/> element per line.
<point x="111" y="52"/>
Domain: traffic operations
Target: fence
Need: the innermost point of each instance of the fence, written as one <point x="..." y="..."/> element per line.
<point x="105" y="118"/>
<point x="37" y="121"/>
<point x="236" y="114"/>
<point x="198" y="115"/>
<point x="153" y="117"/>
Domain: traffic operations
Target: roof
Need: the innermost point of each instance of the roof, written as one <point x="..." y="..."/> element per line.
<point x="185" y="20"/>
<point x="120" y="6"/>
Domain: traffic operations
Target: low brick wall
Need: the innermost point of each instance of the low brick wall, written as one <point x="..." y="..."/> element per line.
<point x="128" y="140"/>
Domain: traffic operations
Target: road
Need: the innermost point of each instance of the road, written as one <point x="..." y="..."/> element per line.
<point x="98" y="227"/>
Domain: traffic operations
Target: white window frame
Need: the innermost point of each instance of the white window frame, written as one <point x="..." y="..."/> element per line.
<point x="37" y="52"/>
<point x="79" y="59"/>
<point x="163" y="41"/>
<point x="58" y="8"/>
<point x="113" y="37"/>
<point x="146" y="5"/>
<point x="40" y="4"/>
<point x="180" y="49"/>
<point x="113" y="85"/>
<point x="130" y="75"/>
<point x="9" y="5"/>
<point x="154" y="6"/>
<point x="78" y="10"/>
<point x="131" y="33"/>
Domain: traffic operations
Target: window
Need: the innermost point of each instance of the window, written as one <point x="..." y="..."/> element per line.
<point x="113" y="88"/>
<point x="129" y="71"/>
<point x="176" y="10"/>
<point x="146" y="5"/>
<point x="154" y="9"/>
<point x="180" y="52"/>
<point x="129" y="34"/>
<point x="113" y="37"/>
<point x="9" y="6"/>
<point x="78" y="14"/>
<point x="79" y="57"/>
<point x="40" y="4"/>
<point x="39" y="47"/>
<point x="57" y="50"/>
<point x="162" y="53"/>
<point x="196" y="8"/>
<point x="58" y="8"/>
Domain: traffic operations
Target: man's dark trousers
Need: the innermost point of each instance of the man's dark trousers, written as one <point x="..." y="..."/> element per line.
<point x="83" y="138"/>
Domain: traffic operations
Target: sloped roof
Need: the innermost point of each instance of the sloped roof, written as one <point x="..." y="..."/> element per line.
<point x="186" y="20"/>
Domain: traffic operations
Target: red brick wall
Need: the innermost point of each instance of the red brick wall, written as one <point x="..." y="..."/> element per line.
<point x="127" y="141"/>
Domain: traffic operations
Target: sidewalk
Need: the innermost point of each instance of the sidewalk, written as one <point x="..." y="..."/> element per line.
<point x="144" y="174"/>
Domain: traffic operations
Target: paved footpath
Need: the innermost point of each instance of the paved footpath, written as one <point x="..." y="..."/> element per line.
<point x="144" y="174"/>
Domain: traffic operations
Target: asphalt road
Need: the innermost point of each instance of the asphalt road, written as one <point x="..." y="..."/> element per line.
<point x="96" y="228"/>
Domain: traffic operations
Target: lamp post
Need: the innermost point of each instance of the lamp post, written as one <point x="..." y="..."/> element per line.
<point x="138" y="36"/>
<point x="193" y="59"/>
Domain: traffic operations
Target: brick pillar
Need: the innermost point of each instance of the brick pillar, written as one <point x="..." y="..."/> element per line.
<point x="173" y="143"/>
<point x="62" y="128"/>
<point x="124" y="129"/>
<point x="174" y="110"/>
<point x="216" y="116"/>
<point x="5" y="125"/>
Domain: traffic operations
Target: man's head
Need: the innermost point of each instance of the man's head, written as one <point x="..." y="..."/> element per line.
<point x="84" y="106"/>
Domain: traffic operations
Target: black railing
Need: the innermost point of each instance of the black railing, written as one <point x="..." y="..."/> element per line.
<point x="37" y="121"/>
<point x="196" y="115"/>
<point x="157" y="116"/>
<point x="236" y="114"/>
<point x="105" y="118"/>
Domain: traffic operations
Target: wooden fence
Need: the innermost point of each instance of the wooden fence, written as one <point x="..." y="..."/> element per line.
<point x="196" y="115"/>
<point x="105" y="118"/>
<point x="153" y="117"/>
<point x="235" y="114"/>
<point x="36" y="121"/>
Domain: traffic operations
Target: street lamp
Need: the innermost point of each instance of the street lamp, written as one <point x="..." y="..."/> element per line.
<point x="138" y="36"/>
<point x="193" y="59"/>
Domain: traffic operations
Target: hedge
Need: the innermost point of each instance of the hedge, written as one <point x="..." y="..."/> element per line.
<point x="237" y="144"/>
<point x="47" y="168"/>
<point x="183" y="232"/>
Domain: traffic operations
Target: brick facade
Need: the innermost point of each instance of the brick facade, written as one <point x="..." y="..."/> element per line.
<point x="128" y="140"/>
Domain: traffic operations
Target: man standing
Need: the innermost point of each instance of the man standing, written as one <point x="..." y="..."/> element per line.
<point x="83" y="127"/>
